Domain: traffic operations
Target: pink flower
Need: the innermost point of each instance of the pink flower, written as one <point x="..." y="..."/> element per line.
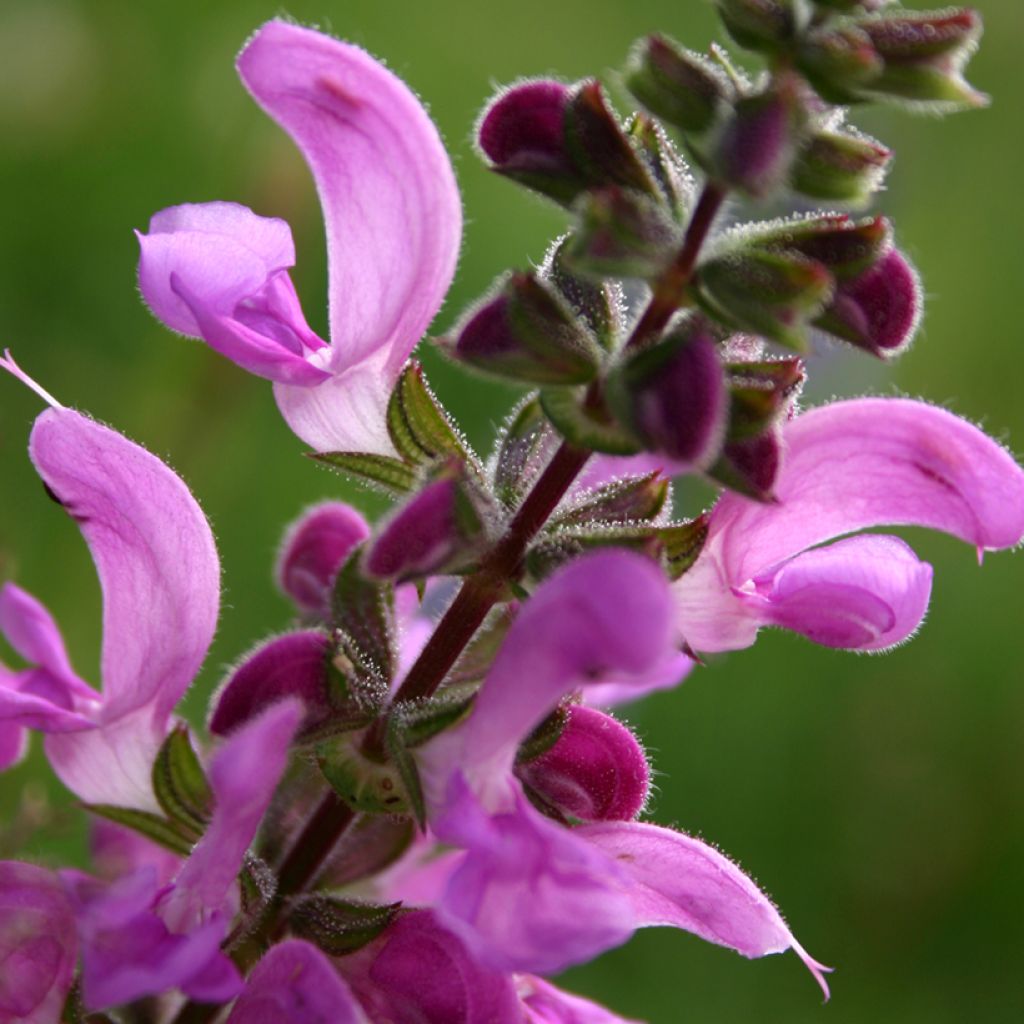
<point x="849" y="466"/>
<point x="220" y="272"/>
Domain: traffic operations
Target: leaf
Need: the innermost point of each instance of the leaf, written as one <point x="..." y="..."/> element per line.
<point x="544" y="736"/>
<point x="558" y="547"/>
<point x="683" y="544"/>
<point x="179" y="781"/>
<point x="362" y="614"/>
<point x="525" y="446"/>
<point x="380" y="471"/>
<point x="420" y="720"/>
<point x="419" y="427"/>
<point x="593" y="428"/>
<point x="152" y="826"/>
<point x="405" y="764"/>
<point x="366" y="784"/>
<point x="257" y="887"/>
<point x="339" y="926"/>
<point x="622" y="501"/>
<point x="476" y="660"/>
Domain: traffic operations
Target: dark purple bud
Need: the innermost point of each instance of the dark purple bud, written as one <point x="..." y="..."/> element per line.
<point x="759" y="143"/>
<point x="596" y="771"/>
<point x="880" y="310"/>
<point x="673" y="396"/>
<point x="751" y="466"/>
<point x="840" y="165"/>
<point x="436" y="530"/>
<point x="846" y="247"/>
<point x="599" y="147"/>
<point x="293" y="665"/>
<point x="683" y="88"/>
<point x="623" y="233"/>
<point x="762" y="24"/>
<point x="312" y="552"/>
<point x="527" y="333"/>
<point x="522" y="134"/>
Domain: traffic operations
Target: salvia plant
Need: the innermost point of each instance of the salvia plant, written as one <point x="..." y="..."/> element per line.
<point x="414" y="803"/>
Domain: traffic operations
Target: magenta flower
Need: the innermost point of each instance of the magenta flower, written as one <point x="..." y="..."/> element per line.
<point x="529" y="894"/>
<point x="849" y="466"/>
<point x="391" y="206"/>
<point x="37" y="945"/>
<point x="160" y="577"/>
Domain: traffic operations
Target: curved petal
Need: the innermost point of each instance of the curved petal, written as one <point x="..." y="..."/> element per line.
<point x="862" y="593"/>
<point x="423" y="973"/>
<point x="386" y="185"/>
<point x="295" y="984"/>
<point x="154" y="553"/>
<point x="875" y="462"/>
<point x="544" y="1003"/>
<point x="219" y="252"/>
<point x="37" y="944"/>
<point x="243" y="776"/>
<point x="683" y="883"/>
<point x="13" y="745"/>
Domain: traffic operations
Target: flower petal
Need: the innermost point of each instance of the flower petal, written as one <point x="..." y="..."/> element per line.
<point x="154" y="553"/>
<point x="386" y="185"/>
<point x="220" y="252"/>
<point x="37" y="944"/>
<point x="546" y="1004"/>
<point x="295" y="984"/>
<point x="683" y="883"/>
<point x="862" y="593"/>
<point x="876" y="462"/>
<point x="423" y="973"/>
<point x="243" y="776"/>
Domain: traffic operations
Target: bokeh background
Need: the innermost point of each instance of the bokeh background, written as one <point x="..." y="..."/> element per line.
<point x="880" y="800"/>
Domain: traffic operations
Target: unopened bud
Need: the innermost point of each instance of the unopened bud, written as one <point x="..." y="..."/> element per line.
<point x="522" y="134"/>
<point x="437" y="530"/>
<point x="527" y="333"/>
<point x="683" y="88"/>
<point x="878" y="311"/>
<point x="846" y="247"/>
<point x="672" y="395"/>
<point x="598" y="145"/>
<point x="840" y="62"/>
<point x="623" y="233"/>
<point x="763" y="24"/>
<point x="751" y="466"/>
<point x="760" y="393"/>
<point x="772" y="294"/>
<point x="841" y="166"/>
<point x="596" y="771"/>
<point x="850" y="5"/>
<point x="313" y="550"/>
<point x="759" y="143"/>
<point x="597" y="302"/>
<point x="667" y="167"/>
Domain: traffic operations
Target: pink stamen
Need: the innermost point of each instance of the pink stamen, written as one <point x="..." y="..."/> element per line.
<point x="8" y="363"/>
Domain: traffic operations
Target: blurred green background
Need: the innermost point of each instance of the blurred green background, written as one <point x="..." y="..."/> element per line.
<point x="880" y="800"/>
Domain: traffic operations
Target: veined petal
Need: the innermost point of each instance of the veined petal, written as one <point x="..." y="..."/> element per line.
<point x="683" y="883"/>
<point x="423" y="973"/>
<point x="37" y="945"/>
<point x="863" y="593"/>
<point x="875" y="462"/>
<point x="386" y="185"/>
<point x="243" y="776"/>
<point x="295" y="984"/>
<point x="154" y="553"/>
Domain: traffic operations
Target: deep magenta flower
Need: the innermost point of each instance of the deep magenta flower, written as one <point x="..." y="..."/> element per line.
<point x="849" y="466"/>
<point x="160" y="577"/>
<point x="391" y="206"/>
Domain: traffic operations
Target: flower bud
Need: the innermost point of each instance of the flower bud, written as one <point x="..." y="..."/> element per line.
<point x="597" y="302"/>
<point x="436" y="530"/>
<point x="683" y="88"/>
<point x="623" y="233"/>
<point x="846" y="247"/>
<point x="772" y="294"/>
<point x="312" y="551"/>
<point x="879" y="311"/>
<point x="596" y="771"/>
<point x="522" y="134"/>
<point x="672" y="395"/>
<point x="759" y="143"/>
<point x="525" y="332"/>
<point x="760" y="393"/>
<point x="665" y="165"/>
<point x="841" y="166"/>
<point x="839" y="61"/>
<point x="751" y="466"/>
<point x="763" y="24"/>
